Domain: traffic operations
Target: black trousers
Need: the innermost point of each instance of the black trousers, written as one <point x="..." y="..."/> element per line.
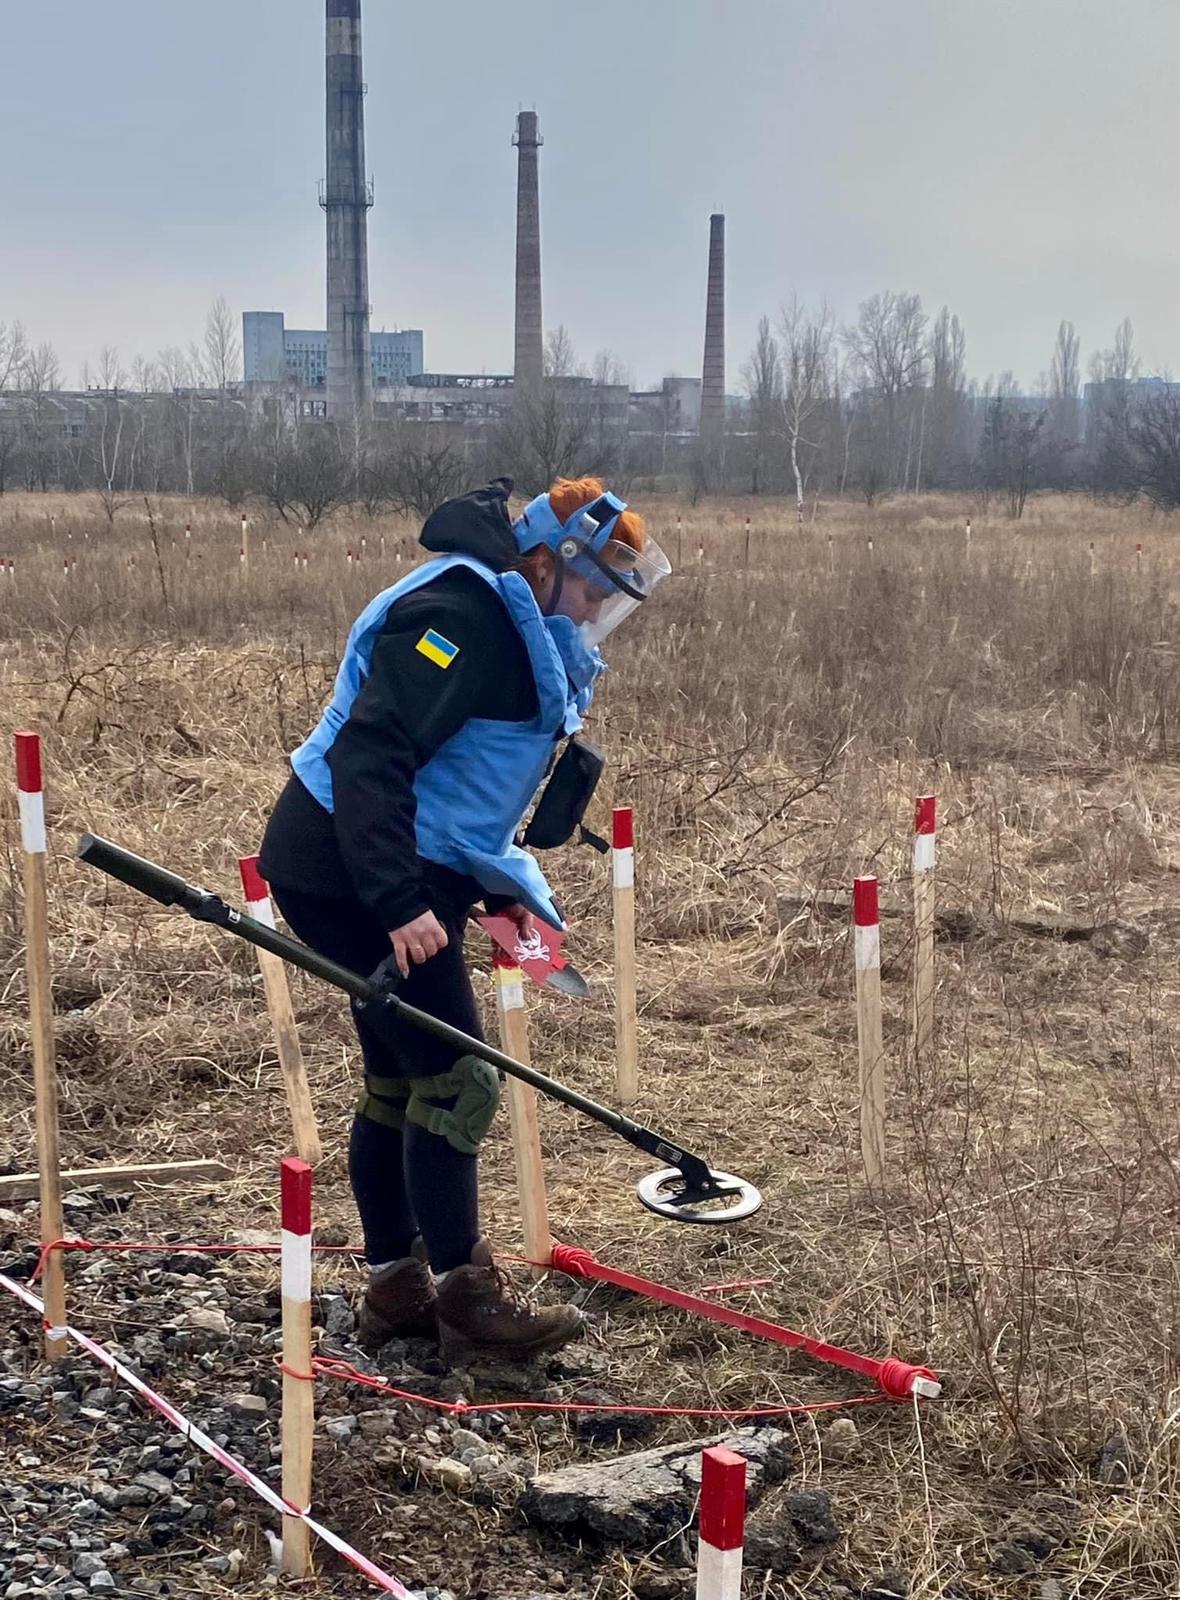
<point x="405" y="1180"/>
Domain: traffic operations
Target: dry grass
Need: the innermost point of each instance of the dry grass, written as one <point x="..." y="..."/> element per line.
<point x="771" y="722"/>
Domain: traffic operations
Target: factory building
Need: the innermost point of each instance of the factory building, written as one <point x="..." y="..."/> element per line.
<point x="274" y="353"/>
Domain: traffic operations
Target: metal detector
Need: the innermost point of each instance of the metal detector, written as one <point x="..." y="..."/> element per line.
<point x="687" y="1190"/>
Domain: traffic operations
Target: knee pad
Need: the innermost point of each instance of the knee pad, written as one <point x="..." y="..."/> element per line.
<point x="474" y="1086"/>
<point x="384" y="1100"/>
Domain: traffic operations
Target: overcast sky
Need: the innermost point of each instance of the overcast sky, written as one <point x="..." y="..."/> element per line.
<point x="1015" y="159"/>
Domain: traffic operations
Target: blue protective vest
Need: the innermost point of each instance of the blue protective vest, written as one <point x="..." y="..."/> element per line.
<point x="473" y="792"/>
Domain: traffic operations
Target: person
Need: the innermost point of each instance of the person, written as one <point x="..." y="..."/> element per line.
<point x="401" y="811"/>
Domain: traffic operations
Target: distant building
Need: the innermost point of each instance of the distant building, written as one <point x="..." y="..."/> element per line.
<point x="273" y="353"/>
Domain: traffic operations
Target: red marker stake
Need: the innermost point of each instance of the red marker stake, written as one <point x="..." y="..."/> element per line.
<point x="298" y="1424"/>
<point x="867" y="944"/>
<point x="31" y="804"/>
<point x="522" y="1112"/>
<point x="924" y="838"/>
<point x="626" y="1019"/>
<point x="722" y="1524"/>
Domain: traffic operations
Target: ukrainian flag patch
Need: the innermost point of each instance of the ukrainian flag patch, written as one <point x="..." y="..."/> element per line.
<point x="437" y="649"/>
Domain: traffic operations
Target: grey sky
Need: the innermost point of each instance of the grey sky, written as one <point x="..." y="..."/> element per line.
<point x="1013" y="158"/>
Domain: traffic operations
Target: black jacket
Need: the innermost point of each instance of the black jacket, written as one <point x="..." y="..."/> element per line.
<point x="406" y="710"/>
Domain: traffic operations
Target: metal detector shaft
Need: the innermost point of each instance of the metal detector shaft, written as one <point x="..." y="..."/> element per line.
<point x="169" y="889"/>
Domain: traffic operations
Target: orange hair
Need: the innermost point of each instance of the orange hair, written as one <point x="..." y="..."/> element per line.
<point x="570" y="494"/>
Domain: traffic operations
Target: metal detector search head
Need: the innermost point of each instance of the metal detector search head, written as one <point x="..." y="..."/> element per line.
<point x="685" y="1190"/>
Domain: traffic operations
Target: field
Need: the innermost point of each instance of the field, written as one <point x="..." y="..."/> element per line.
<point x="771" y="722"/>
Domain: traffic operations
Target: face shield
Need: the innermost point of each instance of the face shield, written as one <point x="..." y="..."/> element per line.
<point x="621" y="579"/>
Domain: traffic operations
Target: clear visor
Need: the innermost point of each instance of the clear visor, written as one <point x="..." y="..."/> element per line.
<point x="638" y="571"/>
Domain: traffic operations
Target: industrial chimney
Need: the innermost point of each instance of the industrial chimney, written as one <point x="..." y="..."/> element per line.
<point x="713" y="373"/>
<point x="528" y="363"/>
<point x="346" y="196"/>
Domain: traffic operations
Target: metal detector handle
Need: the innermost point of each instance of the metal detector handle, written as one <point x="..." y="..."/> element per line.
<point x="171" y="890"/>
<point x="156" y="882"/>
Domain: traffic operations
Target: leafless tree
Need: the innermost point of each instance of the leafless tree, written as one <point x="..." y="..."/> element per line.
<point x="808" y="343"/>
<point x="887" y="356"/>
<point x="547" y="436"/>
<point x="222" y="350"/>
<point x="1154" y="433"/>
<point x="13" y="352"/>
<point x="111" y="375"/>
<point x="560" y="360"/>
<point x="942" y="418"/>
<point x="41" y="414"/>
<point x="1113" y="462"/>
<point x="1064" y="405"/>
<point x="763" y="379"/>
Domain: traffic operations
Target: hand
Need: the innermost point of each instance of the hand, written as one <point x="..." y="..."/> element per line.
<point x="417" y="941"/>
<point x="526" y="924"/>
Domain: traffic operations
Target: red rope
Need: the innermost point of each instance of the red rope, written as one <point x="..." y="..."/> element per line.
<point x="336" y="1367"/>
<point x="123" y="1245"/>
<point x="896" y="1378"/>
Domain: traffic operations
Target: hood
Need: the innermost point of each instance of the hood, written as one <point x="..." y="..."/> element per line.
<point x="475" y="524"/>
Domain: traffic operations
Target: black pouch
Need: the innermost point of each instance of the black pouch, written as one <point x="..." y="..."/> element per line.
<point x="558" y="813"/>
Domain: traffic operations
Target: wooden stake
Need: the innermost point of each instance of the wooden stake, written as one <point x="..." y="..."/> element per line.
<point x="924" y="835"/>
<point x="722" y="1525"/>
<point x="522" y="1113"/>
<point x="282" y="1020"/>
<point x="626" y="1023"/>
<point x="298" y="1424"/>
<point x="867" y="936"/>
<point x="31" y="800"/>
<point x="24" y="1185"/>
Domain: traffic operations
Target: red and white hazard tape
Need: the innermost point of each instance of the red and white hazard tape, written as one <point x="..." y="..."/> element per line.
<point x="30" y="796"/>
<point x="722" y="1524"/>
<point x="201" y="1439"/>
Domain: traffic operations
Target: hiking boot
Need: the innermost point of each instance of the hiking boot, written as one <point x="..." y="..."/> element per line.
<point x="400" y="1303"/>
<point x="480" y="1313"/>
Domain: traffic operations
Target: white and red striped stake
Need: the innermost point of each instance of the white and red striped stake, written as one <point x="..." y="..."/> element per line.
<point x="626" y="1022"/>
<point x="282" y="1019"/>
<point x="244" y="555"/>
<point x="522" y="1113"/>
<point x="298" y="1426"/>
<point x="867" y="940"/>
<point x="924" y="840"/>
<point x="348" y="553"/>
<point x="722" y="1523"/>
<point x="31" y="802"/>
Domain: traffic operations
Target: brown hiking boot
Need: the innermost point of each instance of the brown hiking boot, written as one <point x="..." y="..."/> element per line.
<point x="400" y="1303"/>
<point x="480" y="1313"/>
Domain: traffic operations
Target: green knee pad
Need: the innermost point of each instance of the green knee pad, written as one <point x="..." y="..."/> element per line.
<point x="475" y="1087"/>
<point x="384" y="1100"/>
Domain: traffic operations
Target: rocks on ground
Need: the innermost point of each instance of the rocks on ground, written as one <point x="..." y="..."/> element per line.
<point x="640" y="1498"/>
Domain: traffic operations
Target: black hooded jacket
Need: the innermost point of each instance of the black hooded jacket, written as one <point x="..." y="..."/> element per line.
<point x="407" y="709"/>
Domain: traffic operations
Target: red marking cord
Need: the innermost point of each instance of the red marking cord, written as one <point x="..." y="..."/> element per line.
<point x="123" y="1245"/>
<point x="895" y="1377"/>
<point x="335" y="1367"/>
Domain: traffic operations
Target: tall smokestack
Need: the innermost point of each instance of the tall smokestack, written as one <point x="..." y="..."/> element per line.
<point x="528" y="363"/>
<point x="713" y="372"/>
<point x="346" y="197"/>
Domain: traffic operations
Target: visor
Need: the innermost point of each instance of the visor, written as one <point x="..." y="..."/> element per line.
<point x="626" y="584"/>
